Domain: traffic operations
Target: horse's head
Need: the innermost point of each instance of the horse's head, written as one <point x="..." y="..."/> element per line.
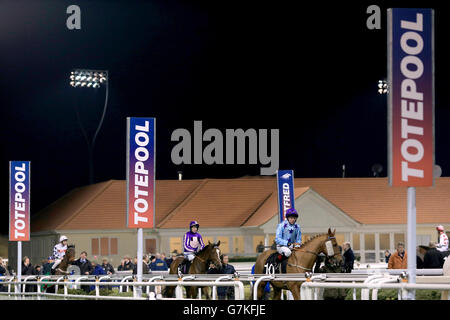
<point x="331" y="249"/>
<point x="213" y="253"/>
<point x="70" y="253"/>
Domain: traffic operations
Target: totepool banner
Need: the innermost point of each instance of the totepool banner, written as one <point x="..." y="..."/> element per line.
<point x="140" y="172"/>
<point x="286" y="198"/>
<point x="19" y="201"/>
<point x="411" y="97"/>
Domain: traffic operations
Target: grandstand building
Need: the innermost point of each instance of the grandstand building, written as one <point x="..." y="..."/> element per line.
<point x="240" y="213"/>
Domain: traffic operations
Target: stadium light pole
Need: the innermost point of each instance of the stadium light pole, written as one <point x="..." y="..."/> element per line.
<point x="85" y="78"/>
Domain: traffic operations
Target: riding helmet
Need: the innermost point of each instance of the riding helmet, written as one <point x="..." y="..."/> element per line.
<point x="194" y="224"/>
<point x="291" y="212"/>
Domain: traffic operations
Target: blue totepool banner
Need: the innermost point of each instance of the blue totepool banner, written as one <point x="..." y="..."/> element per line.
<point x="411" y="97"/>
<point x="286" y="198"/>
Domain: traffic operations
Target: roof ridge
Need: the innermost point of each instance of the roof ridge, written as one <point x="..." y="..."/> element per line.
<point x="188" y="197"/>
<point x="257" y="208"/>
<point x="75" y="214"/>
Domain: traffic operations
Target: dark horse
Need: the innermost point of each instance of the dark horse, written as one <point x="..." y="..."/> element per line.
<point x="301" y="260"/>
<point x="69" y="257"/>
<point x="209" y="254"/>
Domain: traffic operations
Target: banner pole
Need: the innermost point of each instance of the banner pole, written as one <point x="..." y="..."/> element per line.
<point x="411" y="240"/>
<point x="140" y="253"/>
<point x="19" y="259"/>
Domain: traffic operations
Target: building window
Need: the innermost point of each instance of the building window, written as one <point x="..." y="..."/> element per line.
<point x="369" y="241"/>
<point x="256" y="241"/>
<point x="175" y="244"/>
<point x="384" y="241"/>
<point x="95" y="244"/>
<point x="238" y="244"/>
<point x="224" y="244"/>
<point x="104" y="246"/>
<point x="399" y="237"/>
<point x="355" y="241"/>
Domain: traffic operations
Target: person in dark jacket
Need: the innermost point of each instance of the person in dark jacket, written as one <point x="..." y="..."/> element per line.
<point x="349" y="258"/>
<point x="433" y="259"/>
<point x="28" y="270"/>
<point x="387" y="255"/>
<point x="84" y="264"/>
<point x="226" y="292"/>
<point x="107" y="267"/>
<point x="145" y="265"/>
<point x="127" y="264"/>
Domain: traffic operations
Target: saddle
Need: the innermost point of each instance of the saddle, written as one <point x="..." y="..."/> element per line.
<point x="278" y="267"/>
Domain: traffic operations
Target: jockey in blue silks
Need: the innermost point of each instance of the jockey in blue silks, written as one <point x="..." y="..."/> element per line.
<point x="192" y="243"/>
<point x="288" y="233"/>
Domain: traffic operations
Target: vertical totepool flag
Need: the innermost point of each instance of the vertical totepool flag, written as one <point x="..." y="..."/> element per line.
<point x="286" y="198"/>
<point x="19" y="200"/>
<point x="411" y="97"/>
<point x="140" y="172"/>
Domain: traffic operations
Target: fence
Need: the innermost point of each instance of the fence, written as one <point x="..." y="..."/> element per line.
<point x="16" y="288"/>
<point x="310" y="284"/>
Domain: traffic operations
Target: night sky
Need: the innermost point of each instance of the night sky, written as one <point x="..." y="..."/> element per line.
<point x="310" y="70"/>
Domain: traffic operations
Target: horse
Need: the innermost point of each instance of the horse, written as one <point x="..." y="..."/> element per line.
<point x="301" y="260"/>
<point x="62" y="267"/>
<point x="209" y="254"/>
<point x="66" y="261"/>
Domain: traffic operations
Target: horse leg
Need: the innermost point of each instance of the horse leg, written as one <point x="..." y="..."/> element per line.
<point x="205" y="291"/>
<point x="295" y="289"/>
<point x="276" y="293"/>
<point x="260" y="291"/>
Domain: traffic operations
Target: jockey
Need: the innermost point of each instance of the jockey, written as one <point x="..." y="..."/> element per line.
<point x="192" y="242"/>
<point x="59" y="250"/>
<point x="288" y="233"/>
<point x="443" y="239"/>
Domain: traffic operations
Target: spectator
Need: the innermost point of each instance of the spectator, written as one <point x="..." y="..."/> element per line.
<point x="170" y="260"/>
<point x="318" y="264"/>
<point x="107" y="267"/>
<point x="126" y="264"/>
<point x="387" y="255"/>
<point x="274" y="245"/>
<point x="226" y="292"/>
<point x="28" y="270"/>
<point x="260" y="247"/>
<point x="85" y="267"/>
<point x="433" y="259"/>
<point x="420" y="254"/>
<point x="145" y="268"/>
<point x="266" y="295"/>
<point x="96" y="271"/>
<point x="3" y="272"/>
<point x="349" y="258"/>
<point x="158" y="264"/>
<point x="84" y="264"/>
<point x="399" y="258"/>
<point x="47" y="266"/>
<point x="38" y="269"/>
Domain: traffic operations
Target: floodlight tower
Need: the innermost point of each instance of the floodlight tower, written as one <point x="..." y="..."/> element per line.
<point x="84" y="78"/>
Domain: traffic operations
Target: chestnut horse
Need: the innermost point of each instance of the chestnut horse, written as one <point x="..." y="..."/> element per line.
<point x="209" y="254"/>
<point x="301" y="260"/>
<point x="66" y="261"/>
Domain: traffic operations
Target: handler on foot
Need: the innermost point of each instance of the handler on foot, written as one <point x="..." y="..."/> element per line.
<point x="288" y="233"/>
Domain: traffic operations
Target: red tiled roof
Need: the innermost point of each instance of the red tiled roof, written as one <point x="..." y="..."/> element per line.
<point x="240" y="202"/>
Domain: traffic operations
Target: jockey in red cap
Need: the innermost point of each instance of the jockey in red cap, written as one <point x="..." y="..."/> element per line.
<point x="442" y="240"/>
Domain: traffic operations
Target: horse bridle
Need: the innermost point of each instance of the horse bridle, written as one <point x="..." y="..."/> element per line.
<point x="311" y="252"/>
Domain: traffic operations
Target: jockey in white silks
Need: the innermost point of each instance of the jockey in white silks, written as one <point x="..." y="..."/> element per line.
<point x="59" y="251"/>
<point x="288" y="233"/>
<point x="443" y="239"/>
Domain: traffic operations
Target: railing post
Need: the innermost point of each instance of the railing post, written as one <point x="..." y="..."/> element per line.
<point x="97" y="288"/>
